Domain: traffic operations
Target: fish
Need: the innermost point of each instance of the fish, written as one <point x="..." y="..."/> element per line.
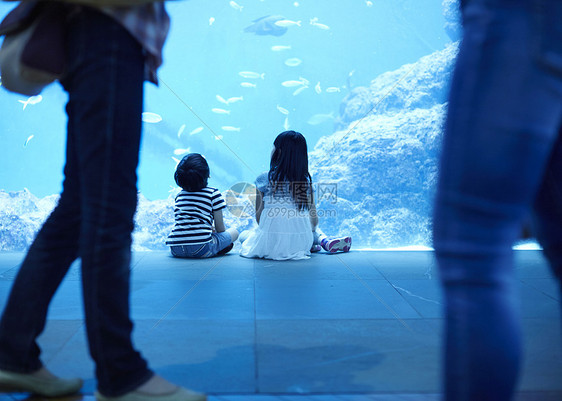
<point x="236" y="6"/>
<point x="176" y="160"/>
<point x="296" y="4"/>
<point x="304" y="81"/>
<point x="234" y="99"/>
<point x="179" y="152"/>
<point x="266" y="26"/>
<point x="196" y="131"/>
<point x="211" y="21"/>
<point x="248" y="85"/>
<point x="293" y="62"/>
<point x="320" y="118"/>
<point x="286" y="125"/>
<point x="220" y="111"/>
<point x="29" y="138"/>
<point x="31" y="101"/>
<point x="251" y="75"/>
<point x="292" y="83"/>
<point x="282" y="110"/>
<point x="218" y="137"/>
<point x="350" y="75"/>
<point x="285" y="23"/>
<point x="180" y="131"/>
<point x="318" y="88"/>
<point x="279" y="48"/>
<point x="314" y="22"/>
<point x="321" y="26"/>
<point x="299" y="90"/>
<point x="152" y="118"/>
<point x="221" y="99"/>
<point x="231" y="129"/>
<point x="333" y="89"/>
<point x="369" y="3"/>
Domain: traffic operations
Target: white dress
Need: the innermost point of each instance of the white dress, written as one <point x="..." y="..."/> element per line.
<point x="283" y="233"/>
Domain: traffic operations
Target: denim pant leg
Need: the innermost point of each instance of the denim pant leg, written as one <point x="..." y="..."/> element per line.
<point x="190" y="251"/>
<point x="548" y="211"/>
<point x="105" y="86"/>
<point x="48" y="259"/>
<point x="504" y="113"/>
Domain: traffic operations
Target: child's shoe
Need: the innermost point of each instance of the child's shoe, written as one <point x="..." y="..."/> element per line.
<point x="333" y="245"/>
<point x="315" y="248"/>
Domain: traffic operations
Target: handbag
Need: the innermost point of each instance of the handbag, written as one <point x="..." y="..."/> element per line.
<point x="32" y="55"/>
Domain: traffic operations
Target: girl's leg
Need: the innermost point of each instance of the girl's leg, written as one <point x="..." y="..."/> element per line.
<point x="319" y="236"/>
<point x="244" y="235"/>
<point x="330" y="244"/>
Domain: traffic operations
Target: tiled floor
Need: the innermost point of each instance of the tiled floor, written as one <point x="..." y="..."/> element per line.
<point x="357" y="326"/>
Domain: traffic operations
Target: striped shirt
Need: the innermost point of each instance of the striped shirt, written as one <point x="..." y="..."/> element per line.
<point x="149" y="25"/>
<point x="193" y="214"/>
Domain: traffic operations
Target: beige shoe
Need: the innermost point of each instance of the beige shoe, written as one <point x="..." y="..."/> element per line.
<point x="180" y="394"/>
<point x="11" y="382"/>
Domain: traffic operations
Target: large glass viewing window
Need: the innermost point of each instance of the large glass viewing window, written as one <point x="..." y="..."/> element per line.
<point x="365" y="81"/>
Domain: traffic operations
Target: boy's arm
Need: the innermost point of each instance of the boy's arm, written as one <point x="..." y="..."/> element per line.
<point x="219" y="222"/>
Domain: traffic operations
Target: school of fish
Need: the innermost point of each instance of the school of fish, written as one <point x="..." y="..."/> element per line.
<point x="277" y="26"/>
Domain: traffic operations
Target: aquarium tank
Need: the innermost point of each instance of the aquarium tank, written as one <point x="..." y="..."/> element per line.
<point x="365" y="81"/>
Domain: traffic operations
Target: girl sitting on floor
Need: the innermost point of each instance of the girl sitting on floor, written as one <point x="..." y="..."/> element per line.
<point x="199" y="230"/>
<point x="285" y="209"/>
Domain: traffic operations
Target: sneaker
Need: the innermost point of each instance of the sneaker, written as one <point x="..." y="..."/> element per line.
<point x="48" y="386"/>
<point x="333" y="245"/>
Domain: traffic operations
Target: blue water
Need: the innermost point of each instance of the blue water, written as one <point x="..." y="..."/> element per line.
<point x="203" y="60"/>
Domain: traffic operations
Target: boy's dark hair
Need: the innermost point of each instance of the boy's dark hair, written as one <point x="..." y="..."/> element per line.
<point x="192" y="172"/>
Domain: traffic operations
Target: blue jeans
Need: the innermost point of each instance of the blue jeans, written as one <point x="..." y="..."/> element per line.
<point x="93" y="220"/>
<point x="501" y="159"/>
<point x="218" y="242"/>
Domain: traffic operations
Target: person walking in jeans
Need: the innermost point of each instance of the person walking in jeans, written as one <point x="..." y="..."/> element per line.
<point x="109" y="54"/>
<point x="501" y="159"/>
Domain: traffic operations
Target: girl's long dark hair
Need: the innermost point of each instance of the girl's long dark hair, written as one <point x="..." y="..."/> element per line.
<point x="289" y="165"/>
